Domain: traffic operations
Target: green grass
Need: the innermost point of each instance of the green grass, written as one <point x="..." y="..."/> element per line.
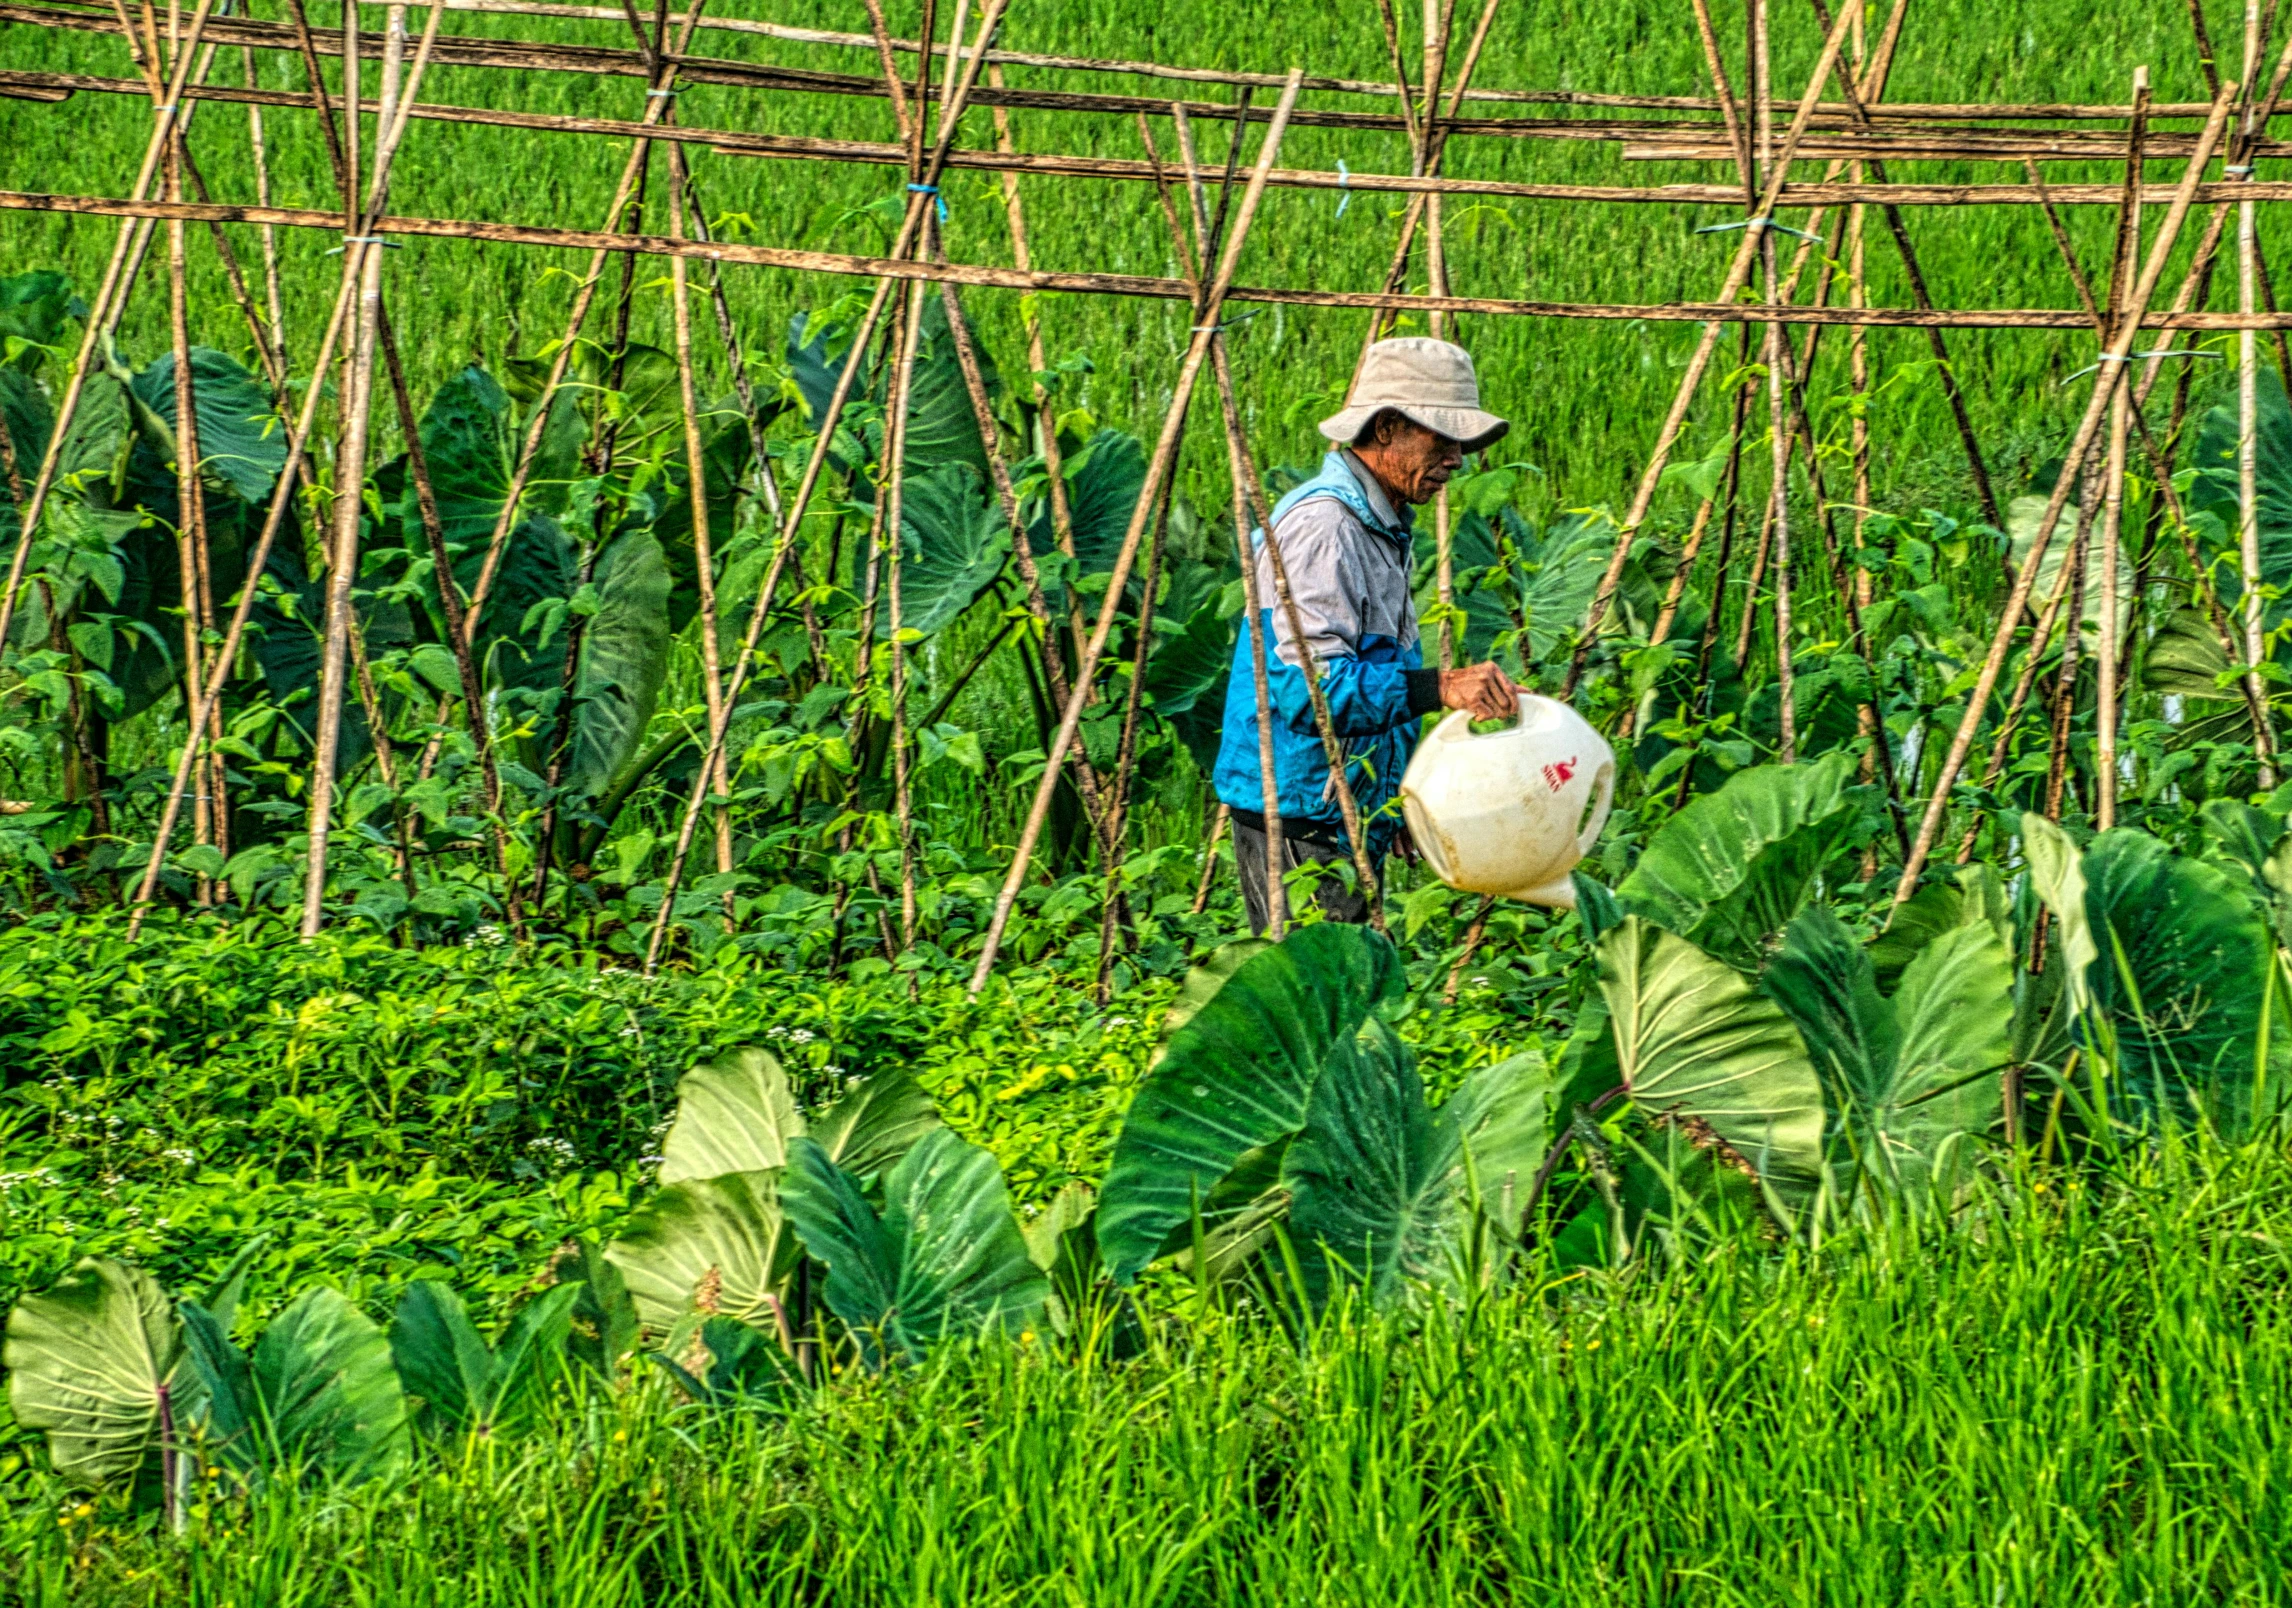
<point x="1586" y="396"/>
<point x="2067" y="1400"/>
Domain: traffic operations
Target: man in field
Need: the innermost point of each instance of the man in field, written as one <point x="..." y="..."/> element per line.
<point x="1346" y="538"/>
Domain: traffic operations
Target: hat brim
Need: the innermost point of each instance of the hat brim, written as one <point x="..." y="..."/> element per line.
<point x="1473" y="429"/>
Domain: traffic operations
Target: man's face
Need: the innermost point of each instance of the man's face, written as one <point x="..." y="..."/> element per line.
<point x="1411" y="461"/>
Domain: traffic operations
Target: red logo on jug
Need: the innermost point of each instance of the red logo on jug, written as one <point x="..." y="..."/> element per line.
<point x="1557" y="776"/>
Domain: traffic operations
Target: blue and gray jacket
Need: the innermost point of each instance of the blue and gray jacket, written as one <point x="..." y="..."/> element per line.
<point x="1348" y="554"/>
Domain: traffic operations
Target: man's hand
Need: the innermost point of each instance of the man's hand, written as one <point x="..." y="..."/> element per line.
<point x="1482" y="689"/>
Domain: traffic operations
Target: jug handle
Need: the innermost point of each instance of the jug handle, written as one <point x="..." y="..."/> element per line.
<point x="1603" y="795"/>
<point x="1456" y="726"/>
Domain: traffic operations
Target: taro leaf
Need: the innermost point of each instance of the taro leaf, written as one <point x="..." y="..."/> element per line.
<point x="466" y="440"/>
<point x="875" y="1123"/>
<point x="96" y="444"/>
<point x="1911" y="1082"/>
<point x="945" y="1259"/>
<point x="2057" y="873"/>
<point x="226" y="1413"/>
<point x="1186" y="678"/>
<point x="1102" y="486"/>
<point x="2185" y="660"/>
<point x="1699" y="1049"/>
<point x="624" y="660"/>
<point x="742" y="1365"/>
<point x="2216" y="490"/>
<point x="1373" y="1176"/>
<point x="24" y="411"/>
<point x="463" y="1383"/>
<point x="242" y="440"/>
<point x="33" y="308"/>
<point x="1046" y="1232"/>
<point x="327" y="1392"/>
<point x="1235" y="1076"/>
<point x="735" y="1114"/>
<point x="603" y="1319"/>
<point x="953" y="542"/>
<point x="1503" y="1117"/>
<point x="538" y="564"/>
<point x="1559" y="594"/>
<point x="2181" y="976"/>
<point x="722" y="1238"/>
<point x="1191" y="667"/>
<point x="444" y="1364"/>
<point x="726" y="451"/>
<point x="942" y="426"/>
<point x="816" y="359"/>
<point x="1731" y="869"/>
<point x="86" y="1363"/>
<point x="2023" y="516"/>
<point x="1937" y="908"/>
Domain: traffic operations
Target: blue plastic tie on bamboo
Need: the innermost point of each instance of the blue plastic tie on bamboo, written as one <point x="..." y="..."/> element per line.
<point x="937" y="200"/>
<point x="1344" y="187"/>
<point x="1764" y="223"/>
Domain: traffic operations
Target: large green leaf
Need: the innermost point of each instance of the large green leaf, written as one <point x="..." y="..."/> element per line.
<point x="1558" y="593"/>
<point x="624" y="660"/>
<point x="953" y="543"/>
<point x="876" y="1122"/>
<point x="1699" y="1048"/>
<point x="1503" y="1117"/>
<point x="735" y="1114"/>
<point x="242" y="440"/>
<point x="1373" y="1176"/>
<point x="1730" y="870"/>
<point x="1912" y="1082"/>
<point x="726" y="453"/>
<point x="1102" y="486"/>
<point x="942" y="426"/>
<point x="461" y="1382"/>
<point x="720" y="1245"/>
<point x="1236" y="1076"/>
<point x="87" y="1361"/>
<point x="327" y="1390"/>
<point x="945" y="1259"/>
<point x="2217" y="489"/>
<point x="2180" y="975"/>
<point x="33" y="309"/>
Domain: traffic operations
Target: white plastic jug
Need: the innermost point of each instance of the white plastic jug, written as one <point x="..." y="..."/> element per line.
<point x="1510" y="812"/>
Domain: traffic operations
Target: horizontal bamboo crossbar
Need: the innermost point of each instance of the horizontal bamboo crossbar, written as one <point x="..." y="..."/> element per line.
<point x="734" y="142"/>
<point x="605" y="61"/>
<point x="2073" y="320"/>
<point x="1956" y="111"/>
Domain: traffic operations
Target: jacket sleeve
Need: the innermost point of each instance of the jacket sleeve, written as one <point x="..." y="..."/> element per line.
<point x="1318" y="541"/>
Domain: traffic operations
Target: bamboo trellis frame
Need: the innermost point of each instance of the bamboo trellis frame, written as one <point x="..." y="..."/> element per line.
<point x="1829" y="123"/>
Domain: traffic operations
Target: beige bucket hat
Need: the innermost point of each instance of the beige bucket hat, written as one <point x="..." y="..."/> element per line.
<point x="1428" y="381"/>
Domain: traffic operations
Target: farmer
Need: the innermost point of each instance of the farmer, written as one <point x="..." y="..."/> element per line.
<point x="1345" y="539"/>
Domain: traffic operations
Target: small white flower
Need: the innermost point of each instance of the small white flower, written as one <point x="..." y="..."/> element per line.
<point x="180" y="1156"/>
<point x="775" y="1031"/>
<point x="831" y="1071"/>
<point x="802" y="1035"/>
<point x="1118" y="1021"/>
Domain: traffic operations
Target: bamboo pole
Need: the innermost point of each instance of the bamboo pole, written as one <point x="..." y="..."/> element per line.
<point x="350" y="452"/>
<point x="2105" y="381"/>
<point x="190" y="496"/>
<point x="1255" y="629"/>
<point x="1778" y="412"/>
<point x="2248" y="430"/>
<point x="103" y="316"/>
<point x="1738" y="275"/>
<point x="1158" y="469"/>
<point x="2113" y="486"/>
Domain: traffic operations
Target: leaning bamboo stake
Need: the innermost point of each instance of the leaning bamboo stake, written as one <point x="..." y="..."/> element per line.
<point x="2105" y="382"/>
<point x="190" y="496"/>
<point x="2248" y="449"/>
<point x="110" y="300"/>
<point x="1158" y="469"/>
<point x="1738" y="275"/>
<point x="350" y="454"/>
<point x="895" y="469"/>
<point x="1249" y="514"/>
<point x="2113" y="487"/>
<point x="800" y="503"/>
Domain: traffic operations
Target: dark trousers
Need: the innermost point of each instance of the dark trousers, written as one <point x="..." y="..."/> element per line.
<point x="1333" y="891"/>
